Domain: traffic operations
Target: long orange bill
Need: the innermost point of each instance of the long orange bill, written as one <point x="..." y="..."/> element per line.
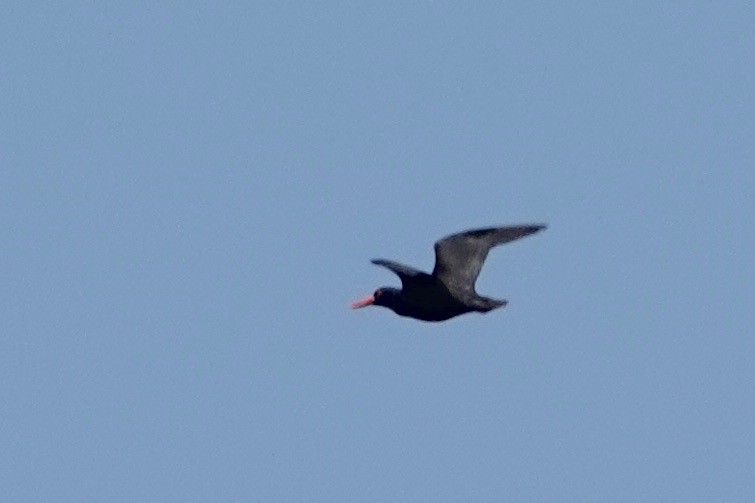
<point x="363" y="303"/>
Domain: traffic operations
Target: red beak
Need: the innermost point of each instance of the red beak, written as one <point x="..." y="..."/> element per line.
<point x="363" y="303"/>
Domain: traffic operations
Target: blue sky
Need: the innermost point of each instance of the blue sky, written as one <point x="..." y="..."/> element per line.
<point x="190" y="195"/>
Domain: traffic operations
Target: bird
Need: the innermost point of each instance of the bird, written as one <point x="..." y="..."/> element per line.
<point x="450" y="290"/>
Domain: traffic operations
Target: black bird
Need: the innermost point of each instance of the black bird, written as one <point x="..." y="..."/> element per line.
<point x="450" y="290"/>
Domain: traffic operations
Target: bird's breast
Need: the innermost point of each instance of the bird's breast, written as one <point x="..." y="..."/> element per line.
<point x="430" y="303"/>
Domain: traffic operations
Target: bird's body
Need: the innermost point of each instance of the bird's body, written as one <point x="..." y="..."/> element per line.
<point x="450" y="290"/>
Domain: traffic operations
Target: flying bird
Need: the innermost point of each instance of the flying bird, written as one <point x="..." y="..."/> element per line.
<point x="450" y="290"/>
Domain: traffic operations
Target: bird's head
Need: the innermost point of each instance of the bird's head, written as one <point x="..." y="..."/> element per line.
<point x="384" y="296"/>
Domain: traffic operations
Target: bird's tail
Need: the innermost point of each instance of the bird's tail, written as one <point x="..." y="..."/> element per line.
<point x="485" y="304"/>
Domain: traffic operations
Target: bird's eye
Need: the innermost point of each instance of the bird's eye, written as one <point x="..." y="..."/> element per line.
<point x="378" y="292"/>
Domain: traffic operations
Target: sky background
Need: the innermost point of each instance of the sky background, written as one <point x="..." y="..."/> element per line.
<point x="190" y="195"/>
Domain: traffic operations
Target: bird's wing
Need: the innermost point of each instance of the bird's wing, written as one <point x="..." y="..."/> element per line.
<point x="459" y="257"/>
<point x="410" y="277"/>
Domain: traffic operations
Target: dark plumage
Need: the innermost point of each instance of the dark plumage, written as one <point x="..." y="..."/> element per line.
<point x="450" y="290"/>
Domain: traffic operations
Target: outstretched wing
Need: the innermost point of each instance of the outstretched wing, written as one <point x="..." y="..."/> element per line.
<point x="459" y="257"/>
<point x="410" y="277"/>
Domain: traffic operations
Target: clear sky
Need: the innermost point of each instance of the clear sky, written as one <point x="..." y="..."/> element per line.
<point x="190" y="195"/>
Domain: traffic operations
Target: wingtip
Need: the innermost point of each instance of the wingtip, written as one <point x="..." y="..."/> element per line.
<point x="533" y="229"/>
